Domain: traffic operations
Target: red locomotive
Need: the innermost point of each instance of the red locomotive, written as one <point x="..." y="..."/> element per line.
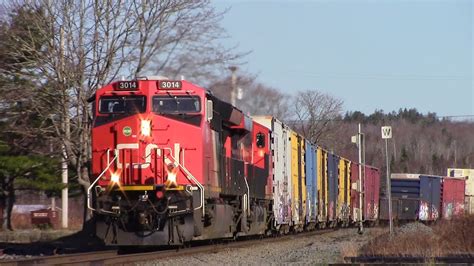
<point x="172" y="163"/>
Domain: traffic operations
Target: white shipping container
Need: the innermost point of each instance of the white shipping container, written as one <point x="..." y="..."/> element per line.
<point x="469" y="173"/>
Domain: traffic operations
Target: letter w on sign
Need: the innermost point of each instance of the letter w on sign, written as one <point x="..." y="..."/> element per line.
<point x="386" y="132"/>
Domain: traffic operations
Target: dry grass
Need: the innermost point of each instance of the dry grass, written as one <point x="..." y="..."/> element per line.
<point x="447" y="238"/>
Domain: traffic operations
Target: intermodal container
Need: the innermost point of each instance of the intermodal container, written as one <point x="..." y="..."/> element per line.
<point x="371" y="193"/>
<point x="311" y="184"/>
<point x="430" y="198"/>
<point x="333" y="176"/>
<point x="452" y="197"/>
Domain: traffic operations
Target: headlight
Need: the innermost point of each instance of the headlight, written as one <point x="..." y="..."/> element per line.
<point x="115" y="178"/>
<point x="145" y="127"/>
<point x="171" y="177"/>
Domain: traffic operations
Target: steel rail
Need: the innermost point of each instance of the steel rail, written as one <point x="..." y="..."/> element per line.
<point x="112" y="257"/>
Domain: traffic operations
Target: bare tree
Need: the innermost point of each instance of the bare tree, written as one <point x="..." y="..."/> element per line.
<point x="257" y="98"/>
<point x="90" y="43"/>
<point x="314" y="113"/>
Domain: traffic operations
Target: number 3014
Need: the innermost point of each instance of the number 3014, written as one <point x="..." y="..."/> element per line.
<point x="170" y="85"/>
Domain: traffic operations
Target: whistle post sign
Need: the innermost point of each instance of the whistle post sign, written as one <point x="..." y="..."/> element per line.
<point x="386" y="132"/>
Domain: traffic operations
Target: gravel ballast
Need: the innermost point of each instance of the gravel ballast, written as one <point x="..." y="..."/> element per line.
<point x="330" y="247"/>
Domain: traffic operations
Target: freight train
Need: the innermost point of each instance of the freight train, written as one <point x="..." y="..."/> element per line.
<point x="426" y="198"/>
<point x="172" y="163"/>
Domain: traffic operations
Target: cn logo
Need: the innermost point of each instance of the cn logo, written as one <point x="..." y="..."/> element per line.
<point x="386" y="132"/>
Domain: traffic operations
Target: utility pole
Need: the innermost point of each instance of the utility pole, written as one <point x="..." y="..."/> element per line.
<point x="233" y="90"/>
<point x="65" y="191"/>
<point x="64" y="168"/>
<point x="387" y="134"/>
<point x="358" y="139"/>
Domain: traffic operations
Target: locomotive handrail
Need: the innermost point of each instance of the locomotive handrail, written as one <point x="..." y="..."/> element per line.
<point x="89" y="204"/>
<point x="247" y="199"/>
<point x="193" y="179"/>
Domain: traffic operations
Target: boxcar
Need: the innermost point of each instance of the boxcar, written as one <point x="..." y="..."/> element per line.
<point x="333" y="178"/>
<point x="469" y="188"/>
<point x="430" y="198"/>
<point x="281" y="171"/>
<point x="302" y="177"/>
<point x="322" y="178"/>
<point x="311" y="184"/>
<point x="298" y="201"/>
<point x="414" y="198"/>
<point x="355" y="207"/>
<point x="288" y="168"/>
<point x="452" y="197"/>
<point x="344" y="192"/>
<point x="405" y="200"/>
<point x="371" y="193"/>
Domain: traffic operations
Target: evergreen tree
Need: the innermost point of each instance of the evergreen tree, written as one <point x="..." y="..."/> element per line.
<point x="24" y="172"/>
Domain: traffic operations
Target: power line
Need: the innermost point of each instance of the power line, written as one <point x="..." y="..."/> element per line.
<point x="385" y="77"/>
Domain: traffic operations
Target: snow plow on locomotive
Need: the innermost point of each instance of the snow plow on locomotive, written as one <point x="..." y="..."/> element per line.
<point x="172" y="163"/>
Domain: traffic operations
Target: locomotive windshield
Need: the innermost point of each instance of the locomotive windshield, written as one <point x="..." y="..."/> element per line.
<point x="122" y="104"/>
<point x="176" y="104"/>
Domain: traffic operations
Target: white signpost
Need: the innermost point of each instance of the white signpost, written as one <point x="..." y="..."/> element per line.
<point x="359" y="141"/>
<point x="387" y="134"/>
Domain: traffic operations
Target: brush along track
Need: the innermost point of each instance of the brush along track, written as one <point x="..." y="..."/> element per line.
<point x="461" y="258"/>
<point x="112" y="256"/>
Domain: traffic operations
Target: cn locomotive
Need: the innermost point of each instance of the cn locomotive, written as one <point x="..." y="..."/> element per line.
<point x="172" y="163"/>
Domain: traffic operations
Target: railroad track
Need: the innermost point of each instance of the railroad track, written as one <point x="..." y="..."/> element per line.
<point x="112" y="257"/>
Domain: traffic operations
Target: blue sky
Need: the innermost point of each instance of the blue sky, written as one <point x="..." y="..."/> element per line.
<point x="371" y="54"/>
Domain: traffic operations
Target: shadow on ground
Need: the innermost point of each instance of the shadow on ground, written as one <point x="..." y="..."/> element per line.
<point x="82" y="241"/>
